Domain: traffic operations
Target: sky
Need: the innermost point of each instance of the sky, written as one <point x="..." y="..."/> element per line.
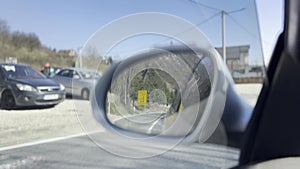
<point x="69" y="24"/>
<point x="270" y="14"/>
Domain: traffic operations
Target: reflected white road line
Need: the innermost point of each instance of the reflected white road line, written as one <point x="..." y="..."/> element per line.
<point x="152" y="126"/>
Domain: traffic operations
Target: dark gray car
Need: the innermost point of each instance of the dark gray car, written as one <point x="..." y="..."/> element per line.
<point x="22" y="85"/>
<point x="78" y="82"/>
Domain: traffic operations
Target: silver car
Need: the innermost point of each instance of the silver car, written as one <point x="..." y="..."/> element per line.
<point x="78" y="82"/>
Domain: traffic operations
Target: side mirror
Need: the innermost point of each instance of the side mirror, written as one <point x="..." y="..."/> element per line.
<point x="76" y="77"/>
<point x="173" y="93"/>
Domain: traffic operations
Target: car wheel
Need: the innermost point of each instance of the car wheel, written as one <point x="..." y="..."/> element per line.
<point x="7" y="100"/>
<point x="85" y="94"/>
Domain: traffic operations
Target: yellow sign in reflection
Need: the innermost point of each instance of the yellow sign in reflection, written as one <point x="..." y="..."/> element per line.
<point x="142" y="97"/>
<point x="180" y="107"/>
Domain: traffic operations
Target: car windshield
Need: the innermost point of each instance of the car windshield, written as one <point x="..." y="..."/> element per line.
<point x="89" y="75"/>
<point x="64" y="127"/>
<point x="21" y="72"/>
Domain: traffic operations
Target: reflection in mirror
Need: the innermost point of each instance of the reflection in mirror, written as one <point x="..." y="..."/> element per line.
<point x="164" y="88"/>
<point x="152" y="94"/>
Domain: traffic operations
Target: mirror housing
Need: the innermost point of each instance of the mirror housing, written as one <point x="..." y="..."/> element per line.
<point x="76" y="77"/>
<point x="197" y="121"/>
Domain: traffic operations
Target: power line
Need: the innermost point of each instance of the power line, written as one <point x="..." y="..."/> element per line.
<point x="208" y="19"/>
<point x="188" y="29"/>
<point x="223" y="13"/>
<point x="243" y="27"/>
<point x="246" y="30"/>
<point x="235" y="11"/>
<point x="204" y="5"/>
<point x="198" y="24"/>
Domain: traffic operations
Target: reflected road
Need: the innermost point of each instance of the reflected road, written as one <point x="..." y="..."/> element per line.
<point x="150" y="123"/>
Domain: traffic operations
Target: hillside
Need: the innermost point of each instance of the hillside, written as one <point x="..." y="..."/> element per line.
<point x="36" y="58"/>
<point x="28" y="49"/>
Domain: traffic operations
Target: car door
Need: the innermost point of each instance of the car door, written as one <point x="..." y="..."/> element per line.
<point x="65" y="78"/>
<point x="76" y="83"/>
<point x="2" y="82"/>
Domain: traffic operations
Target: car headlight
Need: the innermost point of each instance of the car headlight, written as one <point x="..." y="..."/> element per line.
<point x="24" y="87"/>
<point x="61" y="87"/>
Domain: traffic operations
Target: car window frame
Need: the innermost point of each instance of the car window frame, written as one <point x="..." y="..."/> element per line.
<point x="62" y="71"/>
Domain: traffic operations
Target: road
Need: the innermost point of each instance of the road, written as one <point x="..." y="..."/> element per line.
<point x="106" y="150"/>
<point x="81" y="152"/>
<point x="109" y="150"/>
<point x="150" y="123"/>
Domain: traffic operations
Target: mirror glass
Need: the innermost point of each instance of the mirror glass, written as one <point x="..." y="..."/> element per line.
<point x="150" y="104"/>
<point x="156" y="90"/>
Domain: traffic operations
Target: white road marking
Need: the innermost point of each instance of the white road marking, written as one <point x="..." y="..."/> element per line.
<point x="47" y="141"/>
<point x="152" y="126"/>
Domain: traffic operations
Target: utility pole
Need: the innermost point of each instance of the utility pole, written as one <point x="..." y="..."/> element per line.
<point x="224" y="31"/>
<point x="79" y="49"/>
<point x="80" y="61"/>
<point x="223" y="36"/>
<point x="223" y="13"/>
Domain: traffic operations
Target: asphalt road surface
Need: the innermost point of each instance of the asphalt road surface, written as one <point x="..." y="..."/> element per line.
<point x="150" y="123"/>
<point x="81" y="152"/>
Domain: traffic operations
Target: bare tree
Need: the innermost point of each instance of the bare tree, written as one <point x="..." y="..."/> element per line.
<point x="4" y="31"/>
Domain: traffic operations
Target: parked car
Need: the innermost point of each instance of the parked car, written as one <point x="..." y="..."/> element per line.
<point x="78" y="82"/>
<point x="22" y="85"/>
<point x="50" y="71"/>
<point x="56" y="70"/>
